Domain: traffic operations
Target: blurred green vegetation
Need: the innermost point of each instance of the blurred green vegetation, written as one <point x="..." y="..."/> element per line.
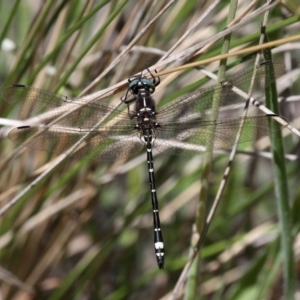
<point x="85" y="231"/>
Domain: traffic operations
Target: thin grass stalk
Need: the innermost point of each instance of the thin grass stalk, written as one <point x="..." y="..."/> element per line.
<point x="127" y="48"/>
<point x="28" y="42"/>
<point x="282" y="194"/>
<point x="270" y="274"/>
<point x="193" y="277"/>
<point x="9" y="21"/>
<point x="88" y="47"/>
<point x="233" y="152"/>
<point x="77" y="26"/>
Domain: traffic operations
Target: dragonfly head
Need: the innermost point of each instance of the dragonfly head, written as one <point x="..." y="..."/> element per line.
<point x="141" y="83"/>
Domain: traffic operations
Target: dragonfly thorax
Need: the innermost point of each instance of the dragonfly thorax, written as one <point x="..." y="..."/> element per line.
<point x="144" y="103"/>
<point x="146" y="119"/>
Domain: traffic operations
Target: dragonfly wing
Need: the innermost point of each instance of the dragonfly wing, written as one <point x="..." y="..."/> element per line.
<point x="103" y="144"/>
<point x="199" y="104"/>
<point x="189" y="125"/>
<point x="64" y="110"/>
<point x="198" y="137"/>
<point x="70" y="120"/>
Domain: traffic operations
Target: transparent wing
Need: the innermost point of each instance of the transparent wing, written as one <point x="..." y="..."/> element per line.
<point x="81" y="113"/>
<point x="199" y="104"/>
<point x="113" y="139"/>
<point x="186" y="124"/>
<point x="104" y="144"/>
<point x="198" y="137"/>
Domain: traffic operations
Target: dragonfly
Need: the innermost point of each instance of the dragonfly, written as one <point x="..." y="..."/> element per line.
<point x="186" y="126"/>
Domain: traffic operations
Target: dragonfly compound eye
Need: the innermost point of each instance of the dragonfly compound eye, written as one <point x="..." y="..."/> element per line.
<point x="141" y="84"/>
